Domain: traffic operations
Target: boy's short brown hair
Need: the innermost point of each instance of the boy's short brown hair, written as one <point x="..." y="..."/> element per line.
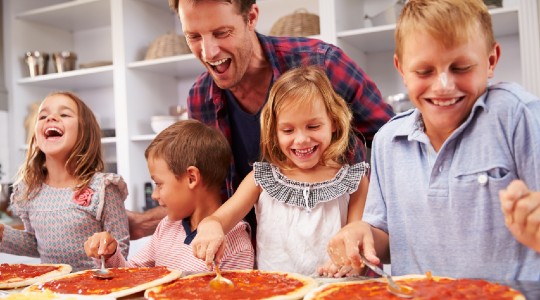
<point x="192" y="143"/>
<point x="451" y="22"/>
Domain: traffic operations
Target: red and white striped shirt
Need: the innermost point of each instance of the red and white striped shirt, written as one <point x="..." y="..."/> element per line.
<point x="167" y="247"/>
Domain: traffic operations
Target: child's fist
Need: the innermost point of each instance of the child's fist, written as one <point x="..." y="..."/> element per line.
<point x="101" y="243"/>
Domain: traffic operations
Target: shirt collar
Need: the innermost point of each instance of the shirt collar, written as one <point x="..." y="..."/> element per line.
<point x="190" y="235"/>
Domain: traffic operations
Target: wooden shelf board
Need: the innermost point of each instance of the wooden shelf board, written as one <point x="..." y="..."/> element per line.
<point x="72" y="15"/>
<point x="71" y="80"/>
<point x="178" y="66"/>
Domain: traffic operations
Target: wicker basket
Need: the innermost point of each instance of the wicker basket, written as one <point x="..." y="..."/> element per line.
<point x="169" y="44"/>
<point x="299" y="23"/>
<point x="493" y="3"/>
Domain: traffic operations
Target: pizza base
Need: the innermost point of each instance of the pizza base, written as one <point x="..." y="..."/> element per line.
<point x="16" y="283"/>
<point x="50" y="296"/>
<point x="328" y="288"/>
<point x="173" y="274"/>
<point x="308" y="284"/>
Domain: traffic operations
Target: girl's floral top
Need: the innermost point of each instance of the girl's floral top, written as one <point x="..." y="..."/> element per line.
<point x="57" y="223"/>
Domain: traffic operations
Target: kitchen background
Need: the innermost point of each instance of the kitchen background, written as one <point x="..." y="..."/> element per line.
<point x="131" y="65"/>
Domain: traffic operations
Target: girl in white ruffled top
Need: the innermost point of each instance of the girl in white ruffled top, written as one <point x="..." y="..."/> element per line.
<point x="61" y="194"/>
<point x="303" y="190"/>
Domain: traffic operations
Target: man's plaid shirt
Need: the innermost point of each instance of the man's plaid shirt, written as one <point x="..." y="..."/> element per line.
<point x="207" y="102"/>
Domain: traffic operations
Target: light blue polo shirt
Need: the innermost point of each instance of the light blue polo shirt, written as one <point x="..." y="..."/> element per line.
<point x="442" y="210"/>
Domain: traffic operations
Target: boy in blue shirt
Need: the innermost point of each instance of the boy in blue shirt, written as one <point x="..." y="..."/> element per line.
<point x="433" y="199"/>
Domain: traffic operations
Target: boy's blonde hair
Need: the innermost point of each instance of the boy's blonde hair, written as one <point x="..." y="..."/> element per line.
<point x="192" y="143"/>
<point x="85" y="159"/>
<point x="299" y="87"/>
<point x="451" y="22"/>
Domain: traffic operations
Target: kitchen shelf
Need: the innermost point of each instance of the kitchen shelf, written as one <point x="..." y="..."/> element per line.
<point x="108" y="140"/>
<point x="143" y="138"/>
<point x="72" y="15"/>
<point x="179" y="66"/>
<point x="370" y="39"/>
<point x="105" y="141"/>
<point x="76" y="79"/>
<point x="381" y="38"/>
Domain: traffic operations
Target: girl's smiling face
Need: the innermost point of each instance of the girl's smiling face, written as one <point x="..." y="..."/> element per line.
<point x="57" y="127"/>
<point x="304" y="132"/>
<point x="445" y="82"/>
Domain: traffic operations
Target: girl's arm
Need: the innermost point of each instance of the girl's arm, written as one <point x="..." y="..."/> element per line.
<point x="357" y="202"/>
<point x="209" y="242"/>
<point x="19" y="242"/>
<point x="114" y="217"/>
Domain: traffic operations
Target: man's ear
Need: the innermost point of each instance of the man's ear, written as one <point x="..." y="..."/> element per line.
<point x="253" y="16"/>
<point x="193" y="177"/>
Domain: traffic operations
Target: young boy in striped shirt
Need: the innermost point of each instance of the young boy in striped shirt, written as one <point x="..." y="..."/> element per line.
<point x="188" y="162"/>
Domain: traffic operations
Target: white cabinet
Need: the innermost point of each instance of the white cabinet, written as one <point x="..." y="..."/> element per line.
<point x="127" y="93"/>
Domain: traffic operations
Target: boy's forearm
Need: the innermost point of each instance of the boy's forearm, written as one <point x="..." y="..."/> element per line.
<point x="382" y="245"/>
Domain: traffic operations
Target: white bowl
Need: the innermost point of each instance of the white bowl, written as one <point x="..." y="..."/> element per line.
<point x="158" y="123"/>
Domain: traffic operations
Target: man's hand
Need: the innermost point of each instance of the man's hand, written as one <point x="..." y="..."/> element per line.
<point x="144" y="224"/>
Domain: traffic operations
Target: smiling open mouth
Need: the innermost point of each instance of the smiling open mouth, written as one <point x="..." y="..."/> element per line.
<point x="447" y="102"/>
<point x="53" y="132"/>
<point x="221" y="65"/>
<point x="304" y="152"/>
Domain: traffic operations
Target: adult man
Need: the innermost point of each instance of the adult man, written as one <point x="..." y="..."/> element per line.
<point x="242" y="66"/>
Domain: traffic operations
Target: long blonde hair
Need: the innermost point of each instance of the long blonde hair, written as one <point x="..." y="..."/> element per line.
<point x="84" y="161"/>
<point x="300" y="86"/>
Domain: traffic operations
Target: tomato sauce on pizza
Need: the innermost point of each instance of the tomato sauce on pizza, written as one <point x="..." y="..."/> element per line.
<point x="443" y="288"/>
<point x="85" y="283"/>
<point x="23" y="271"/>
<point x="247" y="285"/>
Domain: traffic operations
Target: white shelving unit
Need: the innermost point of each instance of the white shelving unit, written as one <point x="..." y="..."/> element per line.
<point x="127" y="93"/>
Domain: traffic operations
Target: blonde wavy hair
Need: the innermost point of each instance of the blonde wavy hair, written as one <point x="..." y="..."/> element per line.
<point x="85" y="159"/>
<point x="451" y="22"/>
<point x="299" y="87"/>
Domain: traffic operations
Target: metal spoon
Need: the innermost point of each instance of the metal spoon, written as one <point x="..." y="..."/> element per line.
<point x="402" y="291"/>
<point x="103" y="273"/>
<point x="219" y="281"/>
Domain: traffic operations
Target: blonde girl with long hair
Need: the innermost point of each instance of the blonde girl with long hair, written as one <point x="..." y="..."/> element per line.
<point x="303" y="189"/>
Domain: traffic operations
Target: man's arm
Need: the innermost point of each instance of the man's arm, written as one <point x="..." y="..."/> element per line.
<point x="144" y="224"/>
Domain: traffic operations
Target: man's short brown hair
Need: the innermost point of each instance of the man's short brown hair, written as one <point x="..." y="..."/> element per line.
<point x="243" y="5"/>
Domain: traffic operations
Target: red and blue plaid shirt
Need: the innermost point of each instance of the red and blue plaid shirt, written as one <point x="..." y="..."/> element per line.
<point x="207" y="102"/>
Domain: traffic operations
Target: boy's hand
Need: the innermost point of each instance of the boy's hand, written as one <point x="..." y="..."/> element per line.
<point x="209" y="243"/>
<point x="521" y="209"/>
<point x="331" y="270"/>
<point x="101" y="243"/>
<point x="345" y="246"/>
